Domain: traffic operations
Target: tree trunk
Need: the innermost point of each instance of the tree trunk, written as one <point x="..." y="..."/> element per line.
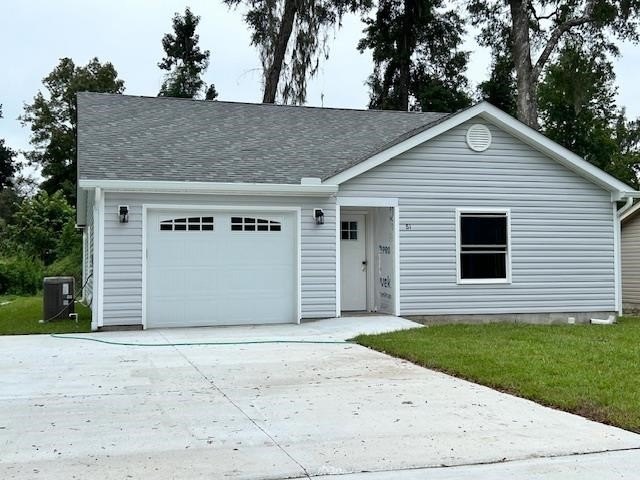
<point x="527" y="101"/>
<point x="404" y="61"/>
<point x="272" y="76"/>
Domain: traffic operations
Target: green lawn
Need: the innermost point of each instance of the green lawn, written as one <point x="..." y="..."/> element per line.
<point x="591" y="370"/>
<point x="21" y="314"/>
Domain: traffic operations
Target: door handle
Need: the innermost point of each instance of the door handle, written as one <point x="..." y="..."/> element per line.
<point x="364" y="265"/>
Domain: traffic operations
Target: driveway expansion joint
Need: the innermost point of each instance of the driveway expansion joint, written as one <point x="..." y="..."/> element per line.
<point x="245" y="414"/>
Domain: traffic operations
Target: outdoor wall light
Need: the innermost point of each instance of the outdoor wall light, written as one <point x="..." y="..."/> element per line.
<point x="123" y="213"/>
<point x="318" y="216"/>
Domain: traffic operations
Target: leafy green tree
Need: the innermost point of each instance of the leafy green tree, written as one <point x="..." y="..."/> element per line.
<point x="500" y="89"/>
<point x="417" y="59"/>
<point x="184" y="61"/>
<point x="42" y="228"/>
<point x="291" y="36"/>
<point x="7" y="163"/>
<point x="579" y="111"/>
<point x="52" y="119"/>
<point x="541" y="26"/>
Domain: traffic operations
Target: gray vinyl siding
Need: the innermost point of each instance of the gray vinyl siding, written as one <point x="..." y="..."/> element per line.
<point x="562" y="229"/>
<point x="123" y="251"/>
<point x="630" y="261"/>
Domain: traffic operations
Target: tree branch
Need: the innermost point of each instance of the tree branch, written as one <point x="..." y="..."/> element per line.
<point x="552" y="43"/>
<point x="543" y="17"/>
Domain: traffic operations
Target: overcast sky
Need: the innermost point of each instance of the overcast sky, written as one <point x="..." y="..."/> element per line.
<point x="35" y="34"/>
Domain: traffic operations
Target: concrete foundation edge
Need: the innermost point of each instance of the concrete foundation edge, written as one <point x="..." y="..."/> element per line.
<point x="530" y="318"/>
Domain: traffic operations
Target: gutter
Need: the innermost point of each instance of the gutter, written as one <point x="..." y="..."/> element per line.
<point x="618" y="216"/>
<point x="628" y="204"/>
<point x="305" y="188"/>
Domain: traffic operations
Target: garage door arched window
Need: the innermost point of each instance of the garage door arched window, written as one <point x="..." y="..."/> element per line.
<point x="188" y="224"/>
<point x="252" y="224"/>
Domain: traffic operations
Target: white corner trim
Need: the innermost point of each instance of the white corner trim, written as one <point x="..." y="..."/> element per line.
<point x="509" y="124"/>
<point x="616" y="261"/>
<point x="396" y="259"/>
<point x="366" y="202"/>
<point x="97" y="301"/>
<point x="144" y="266"/>
<point x="210" y="187"/>
<point x="299" y="262"/>
<point x="85" y="237"/>
<point x="338" y="266"/>
<point x="483" y="281"/>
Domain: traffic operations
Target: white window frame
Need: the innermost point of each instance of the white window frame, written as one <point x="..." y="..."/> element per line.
<point x="271" y="222"/>
<point x="200" y="224"/>
<point x="483" y="281"/>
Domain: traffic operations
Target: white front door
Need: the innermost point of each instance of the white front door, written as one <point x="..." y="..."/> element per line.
<point x="211" y="267"/>
<point x="353" y="263"/>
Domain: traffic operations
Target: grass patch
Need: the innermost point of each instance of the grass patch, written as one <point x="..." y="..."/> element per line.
<point x="589" y="370"/>
<point x="21" y="315"/>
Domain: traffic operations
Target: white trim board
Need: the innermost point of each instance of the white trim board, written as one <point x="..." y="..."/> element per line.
<point x="97" y="301"/>
<point x="338" y="281"/>
<point x="362" y="202"/>
<point x="617" y="271"/>
<point x="210" y="187"/>
<point x="396" y="267"/>
<point x="509" y="124"/>
<point x="483" y="281"/>
<point x="269" y="208"/>
<point x="367" y="202"/>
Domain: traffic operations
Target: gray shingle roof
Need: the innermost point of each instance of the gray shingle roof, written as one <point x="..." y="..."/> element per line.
<point x="124" y="137"/>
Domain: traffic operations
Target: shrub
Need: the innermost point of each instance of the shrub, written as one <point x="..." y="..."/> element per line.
<point x="67" y="266"/>
<point x="21" y="275"/>
<point x="43" y="227"/>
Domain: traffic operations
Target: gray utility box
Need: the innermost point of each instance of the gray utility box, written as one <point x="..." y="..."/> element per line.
<point x="58" y="297"/>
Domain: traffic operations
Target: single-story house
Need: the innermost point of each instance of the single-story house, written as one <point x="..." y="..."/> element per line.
<point x="217" y="213"/>
<point x="630" y="258"/>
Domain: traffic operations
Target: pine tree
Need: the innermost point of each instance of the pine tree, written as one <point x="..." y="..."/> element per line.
<point x="417" y="59"/>
<point x="184" y="61"/>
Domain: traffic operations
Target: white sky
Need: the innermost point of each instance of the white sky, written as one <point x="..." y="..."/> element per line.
<point x="36" y="33"/>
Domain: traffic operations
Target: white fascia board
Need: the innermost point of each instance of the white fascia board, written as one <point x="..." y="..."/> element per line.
<point x="211" y="187"/>
<point x="394" y="151"/>
<point x="564" y="156"/>
<point x="367" y="202"/>
<point x="509" y="124"/>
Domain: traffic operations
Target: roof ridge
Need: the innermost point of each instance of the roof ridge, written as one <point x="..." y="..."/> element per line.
<point x="265" y="105"/>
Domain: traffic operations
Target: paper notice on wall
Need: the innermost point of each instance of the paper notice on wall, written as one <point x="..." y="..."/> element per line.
<point x="384" y="259"/>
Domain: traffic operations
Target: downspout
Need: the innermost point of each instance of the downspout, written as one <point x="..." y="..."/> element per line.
<point x="618" y="252"/>
<point x="625" y="207"/>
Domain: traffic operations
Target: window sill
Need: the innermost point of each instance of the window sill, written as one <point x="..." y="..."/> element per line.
<point x="481" y="281"/>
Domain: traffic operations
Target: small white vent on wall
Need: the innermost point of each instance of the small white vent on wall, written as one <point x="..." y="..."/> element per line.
<point x="478" y="137"/>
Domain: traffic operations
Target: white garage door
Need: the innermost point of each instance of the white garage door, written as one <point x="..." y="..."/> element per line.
<point x="221" y="268"/>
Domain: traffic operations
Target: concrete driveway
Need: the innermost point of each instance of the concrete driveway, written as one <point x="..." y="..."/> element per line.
<point x="81" y="409"/>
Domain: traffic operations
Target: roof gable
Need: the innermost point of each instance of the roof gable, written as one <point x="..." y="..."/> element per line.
<point x="501" y="120"/>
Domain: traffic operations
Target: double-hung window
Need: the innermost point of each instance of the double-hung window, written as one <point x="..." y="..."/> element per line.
<point x="483" y="246"/>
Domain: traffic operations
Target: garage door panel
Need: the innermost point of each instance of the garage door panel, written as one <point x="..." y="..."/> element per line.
<point x="227" y="275"/>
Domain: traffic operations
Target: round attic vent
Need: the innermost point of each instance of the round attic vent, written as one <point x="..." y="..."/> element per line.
<point x="478" y="137"/>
